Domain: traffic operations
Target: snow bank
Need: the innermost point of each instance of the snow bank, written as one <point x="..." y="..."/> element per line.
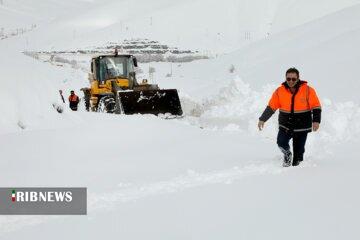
<point x="238" y="107"/>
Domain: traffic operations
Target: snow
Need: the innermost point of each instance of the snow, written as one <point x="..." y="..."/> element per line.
<point x="211" y="174"/>
<point x="325" y="50"/>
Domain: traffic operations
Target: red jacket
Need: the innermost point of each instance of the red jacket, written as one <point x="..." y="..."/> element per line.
<point x="73" y="98"/>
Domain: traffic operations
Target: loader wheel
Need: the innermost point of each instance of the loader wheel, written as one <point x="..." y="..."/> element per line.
<point x="107" y="105"/>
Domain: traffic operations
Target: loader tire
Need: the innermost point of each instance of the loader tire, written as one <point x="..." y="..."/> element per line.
<point x="107" y="105"/>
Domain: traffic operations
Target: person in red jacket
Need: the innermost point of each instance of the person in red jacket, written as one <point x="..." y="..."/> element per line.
<point x="73" y="101"/>
<point x="300" y="113"/>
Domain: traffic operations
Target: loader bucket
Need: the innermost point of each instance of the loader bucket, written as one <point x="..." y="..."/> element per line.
<point x="151" y="102"/>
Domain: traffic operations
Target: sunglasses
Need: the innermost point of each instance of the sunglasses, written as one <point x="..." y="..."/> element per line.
<point x="291" y="79"/>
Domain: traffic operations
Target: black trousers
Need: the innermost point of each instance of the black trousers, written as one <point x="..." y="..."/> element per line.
<point x="73" y="106"/>
<point x="299" y="140"/>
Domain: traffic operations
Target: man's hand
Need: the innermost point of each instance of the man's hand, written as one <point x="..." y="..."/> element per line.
<point x="315" y="126"/>
<point x="261" y="125"/>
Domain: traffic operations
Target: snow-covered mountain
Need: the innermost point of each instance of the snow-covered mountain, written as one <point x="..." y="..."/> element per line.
<point x="210" y="175"/>
<point x="214" y="26"/>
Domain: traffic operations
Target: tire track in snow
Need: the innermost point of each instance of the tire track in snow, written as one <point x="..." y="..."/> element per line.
<point x="192" y="179"/>
<point x="98" y="203"/>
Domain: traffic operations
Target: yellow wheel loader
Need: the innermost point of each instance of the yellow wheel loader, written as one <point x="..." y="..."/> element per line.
<point x="114" y="89"/>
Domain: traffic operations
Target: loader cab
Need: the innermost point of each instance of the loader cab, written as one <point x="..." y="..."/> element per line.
<point x="109" y="67"/>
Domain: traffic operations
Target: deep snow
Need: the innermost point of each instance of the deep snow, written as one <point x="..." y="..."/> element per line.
<point x="211" y="174"/>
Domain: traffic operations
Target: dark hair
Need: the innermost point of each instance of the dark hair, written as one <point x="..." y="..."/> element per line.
<point x="293" y="70"/>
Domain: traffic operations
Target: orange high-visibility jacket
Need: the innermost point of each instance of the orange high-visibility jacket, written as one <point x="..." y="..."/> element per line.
<point x="297" y="110"/>
<point x="73" y="98"/>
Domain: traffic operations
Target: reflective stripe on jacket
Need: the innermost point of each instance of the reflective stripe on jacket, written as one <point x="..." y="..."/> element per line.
<point x="297" y="110"/>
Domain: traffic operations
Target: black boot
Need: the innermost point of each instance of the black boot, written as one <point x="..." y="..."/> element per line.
<point x="297" y="160"/>
<point x="287" y="159"/>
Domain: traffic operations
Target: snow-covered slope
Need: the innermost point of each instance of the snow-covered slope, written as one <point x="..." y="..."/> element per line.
<point x="326" y="51"/>
<point x="210" y="175"/>
<point x="22" y="13"/>
<point x="291" y="13"/>
<point x="213" y="26"/>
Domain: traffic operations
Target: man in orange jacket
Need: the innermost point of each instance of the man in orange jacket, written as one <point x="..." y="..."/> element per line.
<point x="73" y="101"/>
<point x="300" y="113"/>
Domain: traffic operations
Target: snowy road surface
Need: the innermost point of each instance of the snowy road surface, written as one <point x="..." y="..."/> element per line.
<point x="210" y="174"/>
